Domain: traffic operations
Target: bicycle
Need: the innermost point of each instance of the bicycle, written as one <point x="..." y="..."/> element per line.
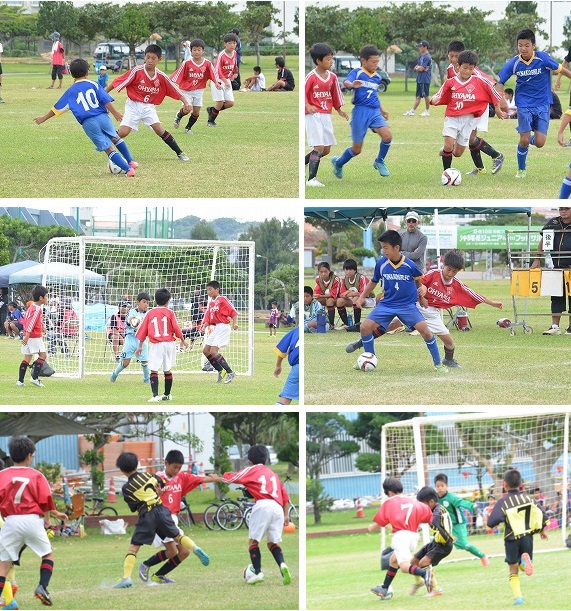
<point x="77" y="513"/>
<point x="293" y="513"/>
<point x="232" y="515"/>
<point x="185" y="517"/>
<point x="210" y="513"/>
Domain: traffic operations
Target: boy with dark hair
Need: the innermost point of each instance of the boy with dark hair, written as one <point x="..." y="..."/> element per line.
<point x="177" y="484"/>
<point x="161" y="327"/>
<point x="219" y="320"/>
<point x="322" y="95"/>
<point x="192" y="76"/>
<point x="311" y="308"/>
<point x="256" y="82"/>
<point x="532" y="70"/>
<point x="146" y="88"/>
<point x="269" y="514"/>
<point x="32" y="341"/>
<point x="326" y="290"/>
<point x="367" y="112"/>
<point x="141" y="495"/>
<point x="26" y="498"/>
<point x="351" y="286"/>
<point x="285" y="80"/>
<point x="405" y="515"/>
<point x="454" y="504"/>
<point x="274" y="318"/>
<point x="226" y="69"/>
<point x="90" y="104"/>
<point x="13" y="323"/>
<point x="523" y="518"/>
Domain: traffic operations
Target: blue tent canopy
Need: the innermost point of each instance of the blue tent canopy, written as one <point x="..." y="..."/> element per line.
<point x="6" y="270"/>
<point x="63" y="273"/>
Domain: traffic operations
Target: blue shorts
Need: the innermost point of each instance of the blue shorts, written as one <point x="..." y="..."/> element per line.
<point x="291" y="386"/>
<point x="383" y="315"/>
<point x="533" y="119"/>
<point x="363" y="118"/>
<point x="131" y="344"/>
<point x="422" y="90"/>
<point x="100" y="130"/>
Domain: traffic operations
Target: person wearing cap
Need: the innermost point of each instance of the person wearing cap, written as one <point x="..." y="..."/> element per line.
<point x="103" y="77"/>
<point x="413" y="240"/>
<point x="186" y="49"/>
<point x="116" y="328"/>
<point x="423" y="71"/>
<point x="58" y="60"/>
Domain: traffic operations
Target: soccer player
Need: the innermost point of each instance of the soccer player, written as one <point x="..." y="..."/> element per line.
<point x="350" y="288"/>
<point x="226" y="70"/>
<point x="565" y="191"/>
<point x="220" y="319"/>
<point x="289" y="346"/>
<point x="532" y="70"/>
<point x="326" y="290"/>
<point x="269" y="514"/>
<point x="466" y="96"/>
<point x="134" y="318"/>
<point x="192" y="76"/>
<point x="141" y="495"/>
<point x="90" y="104"/>
<point x="400" y="280"/>
<point x="274" y="318"/>
<point x="405" y="515"/>
<point x="523" y="518"/>
<point x="322" y="95"/>
<point x="26" y="498"/>
<point x="32" y="341"/>
<point x="146" y="88"/>
<point x="454" y="504"/>
<point x="477" y="145"/>
<point x="177" y="484"/>
<point x="161" y="327"/>
<point x="367" y="112"/>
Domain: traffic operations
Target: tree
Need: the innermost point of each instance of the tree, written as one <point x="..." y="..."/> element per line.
<point x="326" y="24"/>
<point x="203" y="230"/>
<point x="133" y="25"/>
<point x="520" y="16"/>
<point x="364" y="25"/>
<point x="329" y="227"/>
<point x="285" y="279"/>
<point x="567" y="32"/>
<point x="93" y="19"/>
<point x="256" y="20"/>
<point x="63" y="17"/>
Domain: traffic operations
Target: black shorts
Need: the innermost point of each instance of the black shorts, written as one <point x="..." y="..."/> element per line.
<point x="157" y="521"/>
<point x="435" y="551"/>
<point x="515" y="548"/>
<point x="558" y="305"/>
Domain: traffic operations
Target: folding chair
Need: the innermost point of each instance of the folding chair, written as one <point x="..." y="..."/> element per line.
<point x="77" y="516"/>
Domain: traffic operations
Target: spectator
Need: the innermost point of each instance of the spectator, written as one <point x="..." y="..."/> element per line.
<point x="237" y="82"/>
<point x="566" y="63"/>
<point x="512" y="108"/>
<point x="285" y="81"/>
<point x="186" y="49"/>
<point x="14" y="322"/>
<point x="58" y="61"/>
<point x="555" y="110"/>
<point x="413" y="240"/>
<point x="423" y="71"/>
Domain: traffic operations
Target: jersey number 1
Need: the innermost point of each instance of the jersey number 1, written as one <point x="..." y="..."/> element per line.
<point x="273" y="492"/>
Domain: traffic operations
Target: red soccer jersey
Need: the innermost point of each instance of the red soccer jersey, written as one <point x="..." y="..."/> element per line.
<point x="219" y="310"/>
<point x="191" y="76"/>
<point x="403" y="513"/>
<point x="261" y="482"/>
<point x="176" y="487"/>
<point x="323" y="94"/>
<point x="33" y="321"/>
<point x="466" y="97"/>
<point x="225" y="65"/>
<point x="332" y="285"/>
<point x="24" y="491"/>
<point x="451" y="72"/>
<point x="159" y="325"/>
<point x="359" y="283"/>
<point x="142" y="88"/>
<point x="441" y="295"/>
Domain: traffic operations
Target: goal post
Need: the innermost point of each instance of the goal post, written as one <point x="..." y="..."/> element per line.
<point x="475" y="449"/>
<point x="89" y="277"/>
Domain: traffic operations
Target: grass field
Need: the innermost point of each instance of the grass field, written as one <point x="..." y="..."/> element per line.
<point x="86" y="569"/>
<point x="341" y="570"/>
<point x="496" y="368"/>
<point x="56" y="159"/>
<point x="189" y="389"/>
<point x="416" y="167"/>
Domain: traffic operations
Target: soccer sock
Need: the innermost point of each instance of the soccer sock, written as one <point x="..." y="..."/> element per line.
<point x="171" y="142"/>
<point x="123" y="149"/>
<point x="521" y="157"/>
<point x="277" y="553"/>
<point x="6" y="590"/>
<point x="223" y="363"/>
<point x="191" y="121"/>
<point x="22" y="371"/>
<point x="565" y="189"/>
<point x="357" y="315"/>
<point x="515" y="585"/>
<point x="391" y="574"/>
<point x="36" y="368"/>
<point x="433" y="349"/>
<point x="155" y="383"/>
<point x="314" y="159"/>
<point x="157" y="558"/>
<point x="180" y="114"/>
<point x="447" y="159"/>
<point x="368" y="343"/>
<point x="379" y="331"/>
<point x="168" y="383"/>
<point x="474" y="550"/>
<point x="46" y="570"/>
<point x="343" y="314"/>
<point x="213" y="360"/>
<point x="346" y="156"/>
<point x="476" y="155"/>
<point x="448" y="353"/>
<point x="11" y="574"/>
<point x="307" y="158"/>
<point x="129" y="564"/>
<point x="118" y="159"/>
<point x="187" y="542"/>
<point x="331" y="314"/>
<point x="488" y="149"/>
<point x="214" y="112"/>
<point x="146" y="371"/>
<point x="532" y="140"/>
<point x="119" y="369"/>
<point x="416" y="570"/>
<point x="255" y="558"/>
<point x="169" y="566"/>
<point x="383" y="150"/>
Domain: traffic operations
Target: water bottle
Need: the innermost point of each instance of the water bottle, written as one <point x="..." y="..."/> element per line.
<point x="321" y="323"/>
<point x="350" y="320"/>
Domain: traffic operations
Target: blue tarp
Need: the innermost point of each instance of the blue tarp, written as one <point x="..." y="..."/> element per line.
<point x="11" y="268"/>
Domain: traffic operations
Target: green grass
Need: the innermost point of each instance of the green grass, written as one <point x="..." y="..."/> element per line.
<point x="342" y="569"/>
<point x="496" y="368"/>
<point x="86" y="569"/>
<point x="253" y="152"/>
<point x="416" y="167"/>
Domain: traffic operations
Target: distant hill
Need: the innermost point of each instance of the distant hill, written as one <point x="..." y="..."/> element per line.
<point x="225" y="228"/>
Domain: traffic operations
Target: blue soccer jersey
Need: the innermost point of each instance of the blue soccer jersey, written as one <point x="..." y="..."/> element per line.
<point x="366" y="95"/>
<point x="397" y="280"/>
<point x="84" y="99"/>
<point x="134" y="312"/>
<point x="289" y="345"/>
<point x="533" y="79"/>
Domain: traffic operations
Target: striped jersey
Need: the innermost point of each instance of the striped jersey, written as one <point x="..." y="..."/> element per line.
<point x="191" y="75"/>
<point x="140" y="491"/>
<point x="141" y="87"/>
<point x="466" y="97"/>
<point x="522" y="516"/>
<point x="443" y="296"/>
<point x="33" y="321"/>
<point x="323" y="94"/>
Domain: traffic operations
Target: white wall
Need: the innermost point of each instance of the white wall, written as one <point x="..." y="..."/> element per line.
<point x="200" y="424"/>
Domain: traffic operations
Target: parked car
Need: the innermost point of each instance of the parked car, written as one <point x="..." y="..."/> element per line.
<point x="234" y="455"/>
<point x="110" y="52"/>
<point x="343" y="64"/>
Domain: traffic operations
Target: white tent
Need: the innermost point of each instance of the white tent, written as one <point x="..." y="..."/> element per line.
<point x="62" y="273"/>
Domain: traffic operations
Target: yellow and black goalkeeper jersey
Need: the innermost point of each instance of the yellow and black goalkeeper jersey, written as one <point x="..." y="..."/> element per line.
<point x="520" y="514"/>
<point x="140" y="491"/>
<point x="441" y="525"/>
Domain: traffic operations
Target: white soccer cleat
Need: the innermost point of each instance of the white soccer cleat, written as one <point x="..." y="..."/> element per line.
<point x="155" y="399"/>
<point x="425" y="114"/>
<point x="36" y="382"/>
<point x="314" y="183"/>
<point x="409" y="113"/>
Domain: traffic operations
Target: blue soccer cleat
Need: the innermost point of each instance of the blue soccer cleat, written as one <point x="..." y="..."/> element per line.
<point x="124" y="583"/>
<point x="381" y="167"/>
<point x="144" y="572"/>
<point x="337" y="170"/>
<point x="519" y="601"/>
<point x="202" y="555"/>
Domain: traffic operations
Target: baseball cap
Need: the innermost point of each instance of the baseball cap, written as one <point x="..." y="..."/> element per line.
<point x="412" y="215"/>
<point x="422" y="43"/>
<point x="102" y="67"/>
<point x="54" y="35"/>
<point x="125" y="304"/>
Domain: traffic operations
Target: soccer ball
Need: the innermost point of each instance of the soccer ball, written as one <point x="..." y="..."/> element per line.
<point x="134" y="321"/>
<point x="249" y="573"/>
<point x="367" y="361"/>
<point x="451" y="177"/>
<point x="114" y="168"/>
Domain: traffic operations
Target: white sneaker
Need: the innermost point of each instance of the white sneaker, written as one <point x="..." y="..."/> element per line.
<point x="167" y="397"/>
<point x="156" y="399"/>
<point x="425" y="114"/>
<point x="37" y="382"/>
<point x="552" y="331"/>
<point x="255" y="578"/>
<point x="18" y="383"/>
<point x="314" y="183"/>
<point x="409" y="113"/>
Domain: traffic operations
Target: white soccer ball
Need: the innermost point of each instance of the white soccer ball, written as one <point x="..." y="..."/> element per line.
<point x="451" y="177"/>
<point x="134" y="321"/>
<point x="114" y="168"/>
<point x="249" y="573"/>
<point x="367" y="361"/>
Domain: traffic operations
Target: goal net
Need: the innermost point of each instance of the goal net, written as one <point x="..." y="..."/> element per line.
<point x="88" y="278"/>
<point x="475" y="450"/>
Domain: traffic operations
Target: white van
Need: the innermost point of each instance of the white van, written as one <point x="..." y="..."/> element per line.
<point x="109" y="52"/>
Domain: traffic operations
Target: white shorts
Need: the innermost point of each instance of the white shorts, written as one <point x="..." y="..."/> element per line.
<point x="193" y="97"/>
<point x="135" y="112"/>
<point x="319" y="129"/>
<point x="162" y="355"/>
<point x="158" y="542"/>
<point x="267" y="518"/>
<point x="20" y="530"/>
<point x="434" y="320"/>
<point x="34" y="345"/>
<point x="482" y="125"/>
<point x="221" y="95"/>
<point x="404" y="543"/>
<point x="219" y="336"/>
<point x="460" y="128"/>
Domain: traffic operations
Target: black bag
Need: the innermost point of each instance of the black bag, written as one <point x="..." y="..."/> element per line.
<point x="46" y="371"/>
<point x="568" y="541"/>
